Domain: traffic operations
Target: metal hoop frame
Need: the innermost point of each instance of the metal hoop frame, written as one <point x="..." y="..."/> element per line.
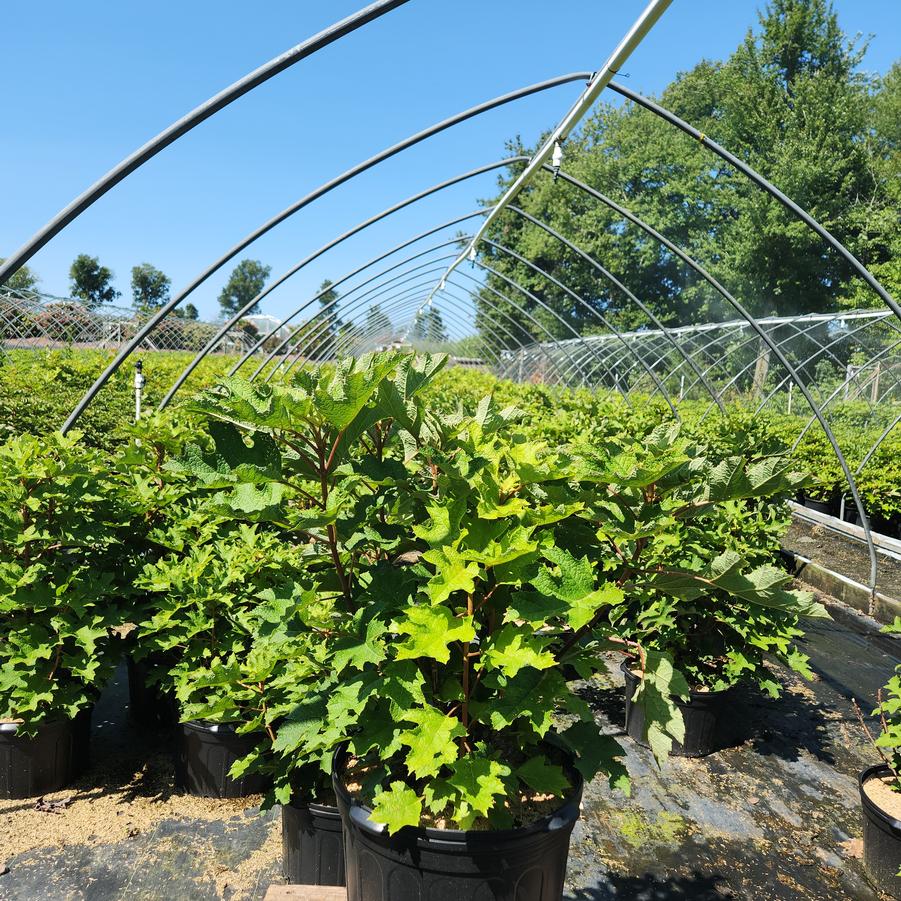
<point x="577" y="350"/>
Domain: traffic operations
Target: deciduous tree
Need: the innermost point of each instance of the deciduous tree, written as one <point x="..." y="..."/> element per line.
<point x="90" y="282"/>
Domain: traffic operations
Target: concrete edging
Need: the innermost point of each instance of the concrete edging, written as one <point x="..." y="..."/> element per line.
<point x="848" y="591"/>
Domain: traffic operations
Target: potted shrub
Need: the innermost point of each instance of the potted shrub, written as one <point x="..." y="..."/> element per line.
<point x="880" y="789"/>
<point x="163" y="514"/>
<point x="58" y="607"/>
<point x="880" y="486"/>
<point x="456" y="770"/>
<point x="321" y="461"/>
<point x="211" y="610"/>
<point x="693" y="540"/>
<point x="824" y="488"/>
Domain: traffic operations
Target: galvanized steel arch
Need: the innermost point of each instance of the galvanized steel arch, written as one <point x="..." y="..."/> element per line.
<point x="323" y="189"/>
<point x="357" y="229"/>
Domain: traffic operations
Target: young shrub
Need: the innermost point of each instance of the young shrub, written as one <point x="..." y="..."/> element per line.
<point x="454" y="696"/>
<point x="227" y="611"/>
<point x="887" y="742"/>
<point x="695" y="588"/>
<point x="58" y="607"/>
<point x="317" y="466"/>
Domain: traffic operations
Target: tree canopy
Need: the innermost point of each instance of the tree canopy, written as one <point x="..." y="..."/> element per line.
<point x="792" y="102"/>
<point x="149" y="287"/>
<point x="90" y="282"/>
<point x="247" y="279"/>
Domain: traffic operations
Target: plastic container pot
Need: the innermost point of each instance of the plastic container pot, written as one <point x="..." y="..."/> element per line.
<point x="45" y="762"/>
<point x="881" y="839"/>
<point x="422" y="864"/>
<point x="703" y="715"/>
<point x="147" y="705"/>
<point x="312" y="844"/>
<point x="828" y="507"/>
<point x="205" y="754"/>
<point x="851" y="514"/>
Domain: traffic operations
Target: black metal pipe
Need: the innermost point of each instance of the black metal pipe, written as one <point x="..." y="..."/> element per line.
<point x="346" y="176"/>
<point x="186" y="123"/>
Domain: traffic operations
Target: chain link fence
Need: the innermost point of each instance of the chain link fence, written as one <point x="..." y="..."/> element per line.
<point x="29" y="319"/>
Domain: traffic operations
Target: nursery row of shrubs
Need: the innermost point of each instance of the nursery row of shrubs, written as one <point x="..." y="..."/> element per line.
<point x="567" y="415"/>
<point x="377" y="606"/>
<point x="38" y="389"/>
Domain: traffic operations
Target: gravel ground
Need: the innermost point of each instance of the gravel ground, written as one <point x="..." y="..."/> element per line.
<point x="843" y="555"/>
<point x="776" y="816"/>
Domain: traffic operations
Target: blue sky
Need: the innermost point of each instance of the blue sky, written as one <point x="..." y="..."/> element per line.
<point x="86" y="83"/>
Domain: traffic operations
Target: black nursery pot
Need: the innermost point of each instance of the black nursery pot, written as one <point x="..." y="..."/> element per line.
<point x="147" y="705"/>
<point x="881" y="839"/>
<point x="829" y="507"/>
<point x="703" y="716"/>
<point x="312" y="844"/>
<point x="205" y="754"/>
<point x="422" y="864"/>
<point x="46" y="762"/>
<point x="852" y="514"/>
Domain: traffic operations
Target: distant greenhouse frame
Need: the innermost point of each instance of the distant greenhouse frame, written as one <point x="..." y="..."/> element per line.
<point x="803" y="362"/>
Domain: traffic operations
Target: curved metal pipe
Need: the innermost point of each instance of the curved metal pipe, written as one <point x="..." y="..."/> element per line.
<point x="591" y="309"/>
<point x="351" y="274"/>
<point x="843" y="386"/>
<point x="295" y="349"/>
<point x="876" y="444"/>
<point x="318" y="323"/>
<point x="470" y="293"/>
<point x="767" y="186"/>
<point x="191" y="120"/>
<point x="606" y="273"/>
<point x="536" y="300"/>
<point x="346" y="176"/>
<point x="358" y="338"/>
<point x="513" y="304"/>
<point x="362" y="226"/>
<point x="822" y="347"/>
<point x="555" y="344"/>
<point x="365" y="335"/>
<point x="328" y="306"/>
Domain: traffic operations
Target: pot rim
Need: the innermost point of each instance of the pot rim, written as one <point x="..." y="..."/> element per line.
<point x="8" y="727"/>
<point x="700" y="695"/>
<point x="877" y="769"/>
<point x="326" y="810"/>
<point x="213" y="728"/>
<point x="566" y="814"/>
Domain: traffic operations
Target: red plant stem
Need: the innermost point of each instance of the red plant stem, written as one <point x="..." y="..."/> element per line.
<point x="331" y="457"/>
<point x="53" y="669"/>
<point x="464" y="715"/>
<point x="866" y="729"/>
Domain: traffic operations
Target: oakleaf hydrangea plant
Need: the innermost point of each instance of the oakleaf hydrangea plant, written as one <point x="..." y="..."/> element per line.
<point x="58" y="603"/>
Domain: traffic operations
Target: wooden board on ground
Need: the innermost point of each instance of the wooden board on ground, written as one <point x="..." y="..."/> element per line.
<point x="306" y="893"/>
